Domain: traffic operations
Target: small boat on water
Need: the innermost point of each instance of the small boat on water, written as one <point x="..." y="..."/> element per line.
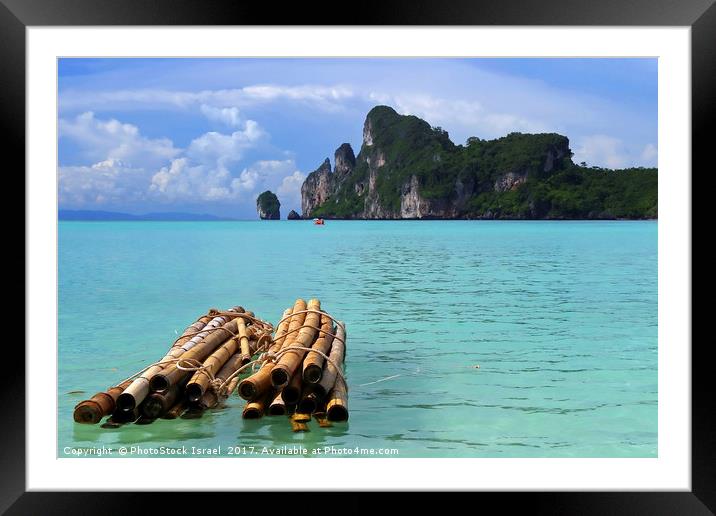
<point x="319" y="222"/>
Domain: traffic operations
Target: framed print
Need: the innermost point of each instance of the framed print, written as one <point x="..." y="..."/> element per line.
<point x="441" y="249"/>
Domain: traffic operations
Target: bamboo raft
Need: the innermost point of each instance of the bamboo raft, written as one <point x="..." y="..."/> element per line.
<point x="295" y="371"/>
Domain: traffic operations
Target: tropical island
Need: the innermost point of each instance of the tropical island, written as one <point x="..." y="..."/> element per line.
<point x="268" y="206"/>
<point x="407" y="169"/>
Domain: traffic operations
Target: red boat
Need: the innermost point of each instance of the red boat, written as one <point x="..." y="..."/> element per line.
<point x="318" y="222"/>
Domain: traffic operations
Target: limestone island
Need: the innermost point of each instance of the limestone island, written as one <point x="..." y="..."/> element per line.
<point x="407" y="169"/>
<point x="268" y="206"/>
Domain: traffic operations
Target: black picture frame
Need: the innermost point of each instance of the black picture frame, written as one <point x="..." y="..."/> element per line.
<point x="17" y="15"/>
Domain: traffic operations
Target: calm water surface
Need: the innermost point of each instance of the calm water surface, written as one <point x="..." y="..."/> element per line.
<point x="561" y="317"/>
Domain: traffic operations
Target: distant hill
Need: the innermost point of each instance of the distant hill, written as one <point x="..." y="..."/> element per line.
<point x="111" y="215"/>
<point x="407" y="169"/>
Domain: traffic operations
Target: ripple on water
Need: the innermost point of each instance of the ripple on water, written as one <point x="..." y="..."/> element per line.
<point x="561" y="317"/>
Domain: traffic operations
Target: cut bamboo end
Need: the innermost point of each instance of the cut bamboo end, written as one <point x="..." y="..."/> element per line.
<point x="308" y="403"/>
<point x="336" y="411"/>
<point x="337" y="406"/>
<point x="319" y="390"/>
<point x="151" y="408"/>
<point x="183" y="383"/>
<point x="253" y="410"/>
<point x="247" y="389"/>
<point x="125" y="416"/>
<point x="312" y="373"/>
<point x="88" y="412"/>
<point x="277" y="406"/>
<point x="291" y="393"/>
<point x="194" y="392"/>
<point x="160" y="381"/>
<point x="156" y="404"/>
<point x="210" y="399"/>
<point x="279" y="376"/>
<point x="126" y="402"/>
<point x="102" y="404"/>
<point x="256" y="409"/>
<point x="256" y="385"/>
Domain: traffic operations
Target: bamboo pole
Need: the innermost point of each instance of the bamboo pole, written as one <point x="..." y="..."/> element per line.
<point x="291" y="393"/>
<point x="138" y="390"/>
<point x="337" y="406"/>
<point x="259" y="382"/>
<point x="177" y="410"/>
<point x="201" y="379"/>
<point x="337" y="400"/>
<point x="211" y="398"/>
<point x="308" y="403"/>
<point x="255" y="409"/>
<point x="157" y="403"/>
<point x="337" y="356"/>
<point x="313" y="363"/>
<point x="244" y="340"/>
<point x="125" y="416"/>
<point x="289" y="363"/>
<point x="102" y="404"/>
<point x="172" y="374"/>
<point x="277" y="406"/>
<point x="232" y="386"/>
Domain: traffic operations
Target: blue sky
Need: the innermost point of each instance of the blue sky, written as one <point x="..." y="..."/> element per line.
<point x="209" y="135"/>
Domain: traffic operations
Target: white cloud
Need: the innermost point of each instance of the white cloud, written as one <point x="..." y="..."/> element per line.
<point x="269" y="174"/>
<point x="604" y="151"/>
<point x="130" y="168"/>
<point x="106" y="183"/>
<point x="204" y="172"/>
<point x="289" y="191"/>
<point x="214" y="147"/>
<point x="306" y="92"/>
<point x="225" y="115"/>
<point x="464" y="116"/>
<point x="246" y="182"/>
<point x="111" y="139"/>
<point x="324" y="97"/>
<point x="185" y="180"/>
<point x="650" y="155"/>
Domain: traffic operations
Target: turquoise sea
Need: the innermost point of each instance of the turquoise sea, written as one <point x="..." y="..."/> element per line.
<point x="561" y="317"/>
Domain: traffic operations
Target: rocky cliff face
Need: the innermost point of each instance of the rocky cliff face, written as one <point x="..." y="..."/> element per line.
<point x="345" y="161"/>
<point x="316" y="188"/>
<point x="407" y="169"/>
<point x="268" y="206"/>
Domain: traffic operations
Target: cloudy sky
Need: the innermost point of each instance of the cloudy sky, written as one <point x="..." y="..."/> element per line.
<point x="209" y="135"/>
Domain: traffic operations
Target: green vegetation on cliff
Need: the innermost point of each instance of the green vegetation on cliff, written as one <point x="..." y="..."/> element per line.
<point x="526" y="176"/>
<point x="268" y="206"/>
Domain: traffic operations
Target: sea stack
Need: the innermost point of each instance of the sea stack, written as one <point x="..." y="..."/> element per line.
<point x="268" y="206"/>
<point x="292" y="215"/>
